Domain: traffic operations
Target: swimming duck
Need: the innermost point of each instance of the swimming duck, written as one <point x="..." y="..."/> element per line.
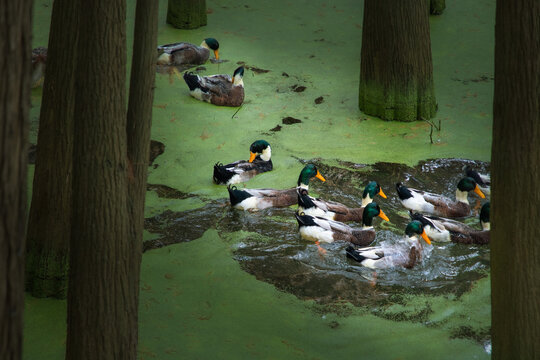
<point x="441" y="229"/>
<point x="258" y="199"/>
<point x="39" y="60"/>
<point x="184" y="53"/>
<point x="483" y="180"/>
<point x="336" y="211"/>
<point x="319" y="229"/>
<point x="439" y="205"/>
<point x="242" y="170"/>
<point x="217" y="89"/>
<point x="381" y="258"/>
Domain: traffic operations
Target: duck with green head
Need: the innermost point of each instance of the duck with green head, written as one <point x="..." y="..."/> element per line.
<point x="445" y="230"/>
<point x="406" y="256"/>
<point x="321" y="229"/>
<point x="240" y="171"/>
<point x="184" y="53"/>
<point x="336" y="211"/>
<point x="483" y="180"/>
<point x="439" y="205"/>
<point x="221" y="89"/>
<point x="258" y="199"/>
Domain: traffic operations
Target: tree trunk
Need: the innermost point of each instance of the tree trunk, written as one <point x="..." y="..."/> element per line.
<point x="186" y="14"/>
<point x="139" y="121"/>
<point x="396" y="73"/>
<point x="15" y="43"/>
<point x="49" y="224"/>
<point x="436" y="7"/>
<point x="515" y="249"/>
<point x="100" y="304"/>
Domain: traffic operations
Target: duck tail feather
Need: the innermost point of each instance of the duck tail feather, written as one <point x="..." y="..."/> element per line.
<point x="237" y="196"/>
<point x="221" y="174"/>
<point x="192" y="81"/>
<point x="403" y="191"/>
<point x="353" y="254"/>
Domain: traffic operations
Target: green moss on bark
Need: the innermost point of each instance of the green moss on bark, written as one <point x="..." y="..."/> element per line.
<point x="47" y="274"/>
<point x="187" y="14"/>
<point x="405" y="104"/>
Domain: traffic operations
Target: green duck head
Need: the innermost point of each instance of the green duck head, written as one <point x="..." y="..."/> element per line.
<point x="212" y="44"/>
<point x="468" y="184"/>
<point x="260" y="147"/>
<point x="372" y="188"/>
<point x="372" y="210"/>
<point x="414" y="228"/>
<point x="309" y="171"/>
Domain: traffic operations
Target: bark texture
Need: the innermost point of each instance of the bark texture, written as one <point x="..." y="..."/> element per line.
<point x="139" y="121"/>
<point x="396" y="72"/>
<point x="100" y="304"/>
<point x="49" y="224"/>
<point x="515" y="249"/>
<point x="15" y="43"/>
<point x="187" y="14"/>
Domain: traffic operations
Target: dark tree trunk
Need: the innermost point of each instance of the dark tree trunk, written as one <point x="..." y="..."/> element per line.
<point x="139" y="121"/>
<point x="49" y="224"/>
<point x="100" y="300"/>
<point x="436" y="7"/>
<point x="186" y="14"/>
<point x="515" y="247"/>
<point x="15" y="43"/>
<point x="396" y="73"/>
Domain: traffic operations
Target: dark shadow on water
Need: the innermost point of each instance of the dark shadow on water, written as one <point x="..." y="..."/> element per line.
<point x="267" y="243"/>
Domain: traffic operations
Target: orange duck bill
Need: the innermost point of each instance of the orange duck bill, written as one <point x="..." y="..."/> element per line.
<point x="425" y="237"/>
<point x="319" y="176"/>
<point x="252" y="156"/>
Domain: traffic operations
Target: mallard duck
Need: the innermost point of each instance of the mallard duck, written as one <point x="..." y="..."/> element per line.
<point x="217" y="89"/>
<point x="441" y="229"/>
<point x="39" y="60"/>
<point x="336" y="211"/>
<point x="258" y="199"/>
<point x="483" y="180"/>
<point x="184" y="53"/>
<point x="385" y="257"/>
<point x="242" y="170"/>
<point x="439" y="205"/>
<point x="320" y="229"/>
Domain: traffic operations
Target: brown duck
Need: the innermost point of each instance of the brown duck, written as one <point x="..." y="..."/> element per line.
<point x="258" y="199"/>
<point x="320" y="229"/>
<point x="444" y="230"/>
<point x="184" y="53"/>
<point x="221" y="90"/>
<point x="336" y="211"/>
<point x="379" y="258"/>
<point x="439" y="205"/>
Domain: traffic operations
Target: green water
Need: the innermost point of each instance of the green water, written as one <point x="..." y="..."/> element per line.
<point x="229" y="289"/>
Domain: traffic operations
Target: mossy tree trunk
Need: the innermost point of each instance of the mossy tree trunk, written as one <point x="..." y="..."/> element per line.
<point x="186" y="14"/>
<point x="436" y="7"/>
<point x="111" y="150"/>
<point x="396" y="72"/>
<point x="139" y="122"/>
<point x="49" y="225"/>
<point x="99" y="292"/>
<point x="15" y="43"/>
<point x="515" y="249"/>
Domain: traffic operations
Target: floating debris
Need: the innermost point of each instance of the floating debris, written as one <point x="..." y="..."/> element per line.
<point x="298" y="88"/>
<point x="290" y="120"/>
